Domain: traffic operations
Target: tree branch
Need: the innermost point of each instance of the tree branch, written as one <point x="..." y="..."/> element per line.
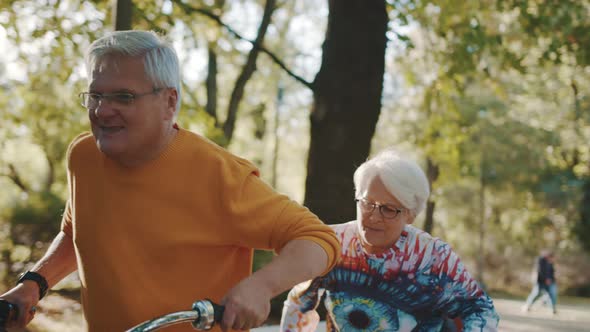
<point x="186" y="92"/>
<point x="15" y="178"/>
<point x="186" y="88"/>
<point x="247" y="71"/>
<point x="189" y="9"/>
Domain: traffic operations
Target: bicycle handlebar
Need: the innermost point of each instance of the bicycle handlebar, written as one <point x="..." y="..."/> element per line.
<point x="204" y="314"/>
<point x="8" y="312"/>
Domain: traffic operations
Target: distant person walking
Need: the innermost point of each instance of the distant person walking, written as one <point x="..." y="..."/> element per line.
<point x="545" y="270"/>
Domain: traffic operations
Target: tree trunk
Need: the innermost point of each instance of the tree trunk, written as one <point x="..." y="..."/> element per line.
<point x="50" y="175"/>
<point x="482" y="228"/>
<point x="211" y="84"/>
<point x="347" y="102"/>
<point x="432" y="172"/>
<point x="277" y="123"/>
<point x="247" y="71"/>
<point x="582" y="228"/>
<point x="122" y="14"/>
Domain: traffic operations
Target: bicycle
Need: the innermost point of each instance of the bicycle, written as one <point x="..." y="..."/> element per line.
<point x="203" y="316"/>
<point x="8" y="312"/>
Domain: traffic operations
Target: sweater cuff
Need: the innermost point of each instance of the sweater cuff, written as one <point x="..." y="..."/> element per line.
<point x="331" y="247"/>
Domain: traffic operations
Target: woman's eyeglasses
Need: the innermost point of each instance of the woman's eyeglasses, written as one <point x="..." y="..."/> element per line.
<point x="386" y="211"/>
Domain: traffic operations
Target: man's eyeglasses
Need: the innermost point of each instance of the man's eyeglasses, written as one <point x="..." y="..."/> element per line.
<point x="387" y="212"/>
<point x="92" y="100"/>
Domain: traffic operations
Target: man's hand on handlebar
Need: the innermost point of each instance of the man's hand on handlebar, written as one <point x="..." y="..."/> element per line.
<point x="25" y="297"/>
<point x="247" y="305"/>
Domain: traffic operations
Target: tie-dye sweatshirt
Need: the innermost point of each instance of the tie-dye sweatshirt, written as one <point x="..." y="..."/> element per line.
<point x="414" y="286"/>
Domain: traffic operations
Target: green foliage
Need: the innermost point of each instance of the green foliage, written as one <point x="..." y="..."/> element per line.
<point x="498" y="101"/>
<point x="36" y="218"/>
<point x="581" y="291"/>
<point x="494" y="92"/>
<point x="201" y="122"/>
<point x="560" y="26"/>
<point x="557" y="187"/>
<point x="261" y="258"/>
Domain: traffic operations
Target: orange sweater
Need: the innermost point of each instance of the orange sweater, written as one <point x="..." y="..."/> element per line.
<point x="154" y="239"/>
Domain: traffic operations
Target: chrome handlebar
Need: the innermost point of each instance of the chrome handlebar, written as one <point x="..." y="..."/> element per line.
<point x="166" y="320"/>
<point x="204" y="315"/>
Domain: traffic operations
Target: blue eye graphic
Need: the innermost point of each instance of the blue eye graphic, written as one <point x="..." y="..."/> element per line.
<point x="362" y="301"/>
<point x="403" y="293"/>
<point x="365" y="314"/>
<point x="365" y="303"/>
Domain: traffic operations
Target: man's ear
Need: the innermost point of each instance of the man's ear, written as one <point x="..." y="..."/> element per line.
<point x="171" y="99"/>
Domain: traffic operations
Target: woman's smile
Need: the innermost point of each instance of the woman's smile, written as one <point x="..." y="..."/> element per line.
<point x="372" y="229"/>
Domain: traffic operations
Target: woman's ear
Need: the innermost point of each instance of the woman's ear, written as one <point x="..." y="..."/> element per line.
<point x="411" y="218"/>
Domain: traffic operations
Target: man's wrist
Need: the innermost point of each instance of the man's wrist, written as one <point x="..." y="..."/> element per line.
<point x="38" y="279"/>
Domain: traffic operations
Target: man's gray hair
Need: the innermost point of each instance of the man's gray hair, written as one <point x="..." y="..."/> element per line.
<point x="160" y="60"/>
<point x="402" y="177"/>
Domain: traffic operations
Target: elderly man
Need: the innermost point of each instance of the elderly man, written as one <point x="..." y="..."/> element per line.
<point x="158" y="216"/>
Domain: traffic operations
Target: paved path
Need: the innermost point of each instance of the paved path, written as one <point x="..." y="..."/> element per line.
<point x="512" y="319"/>
<point x="59" y="314"/>
<point x="540" y="319"/>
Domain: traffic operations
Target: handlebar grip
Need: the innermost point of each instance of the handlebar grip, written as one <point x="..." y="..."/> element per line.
<point x="8" y="312"/>
<point x="209" y="314"/>
<point x="218" y="310"/>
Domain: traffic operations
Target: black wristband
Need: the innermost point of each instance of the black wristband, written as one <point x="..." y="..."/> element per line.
<point x="36" y="277"/>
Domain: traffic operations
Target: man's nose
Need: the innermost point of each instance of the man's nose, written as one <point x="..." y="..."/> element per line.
<point x="104" y="108"/>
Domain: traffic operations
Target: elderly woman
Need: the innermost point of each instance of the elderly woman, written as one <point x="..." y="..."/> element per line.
<point x="391" y="276"/>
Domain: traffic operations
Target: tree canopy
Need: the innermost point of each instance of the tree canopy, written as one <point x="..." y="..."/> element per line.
<point x="490" y="96"/>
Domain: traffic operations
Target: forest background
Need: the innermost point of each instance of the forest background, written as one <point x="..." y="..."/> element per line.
<point x="491" y="97"/>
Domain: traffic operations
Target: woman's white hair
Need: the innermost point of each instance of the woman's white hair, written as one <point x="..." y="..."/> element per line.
<point x="160" y="60"/>
<point x="402" y="177"/>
